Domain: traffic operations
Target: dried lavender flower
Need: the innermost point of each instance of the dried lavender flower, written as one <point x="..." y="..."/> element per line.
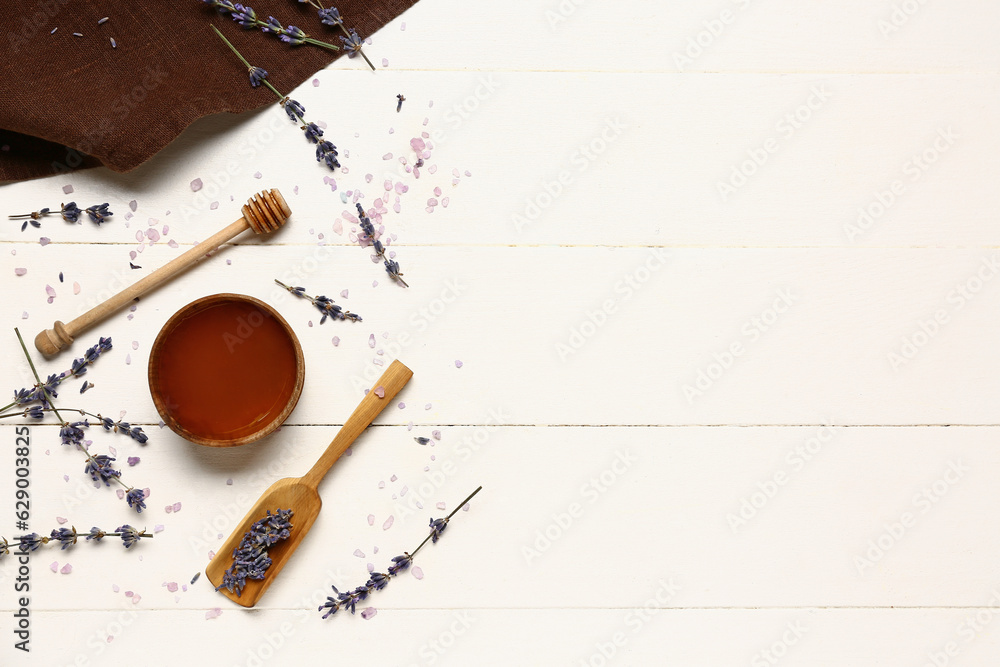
<point x="71" y="433"/>
<point x="313" y="132"/>
<point x="136" y="499"/>
<point x="324" y="304"/>
<point x="257" y="74"/>
<point x="99" y="468"/>
<point x="330" y="17"/>
<point x="70" y="213"/>
<point x="250" y="559"/>
<point x="294" y="110"/>
<point x="391" y="266"/>
<point x="399" y="102"/>
<point x="98" y="213"/>
<point x="247" y="18"/>
<point x="67" y="537"/>
<point x="378" y="580"/>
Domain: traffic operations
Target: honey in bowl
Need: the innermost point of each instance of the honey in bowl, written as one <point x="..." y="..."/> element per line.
<point x="225" y="370"/>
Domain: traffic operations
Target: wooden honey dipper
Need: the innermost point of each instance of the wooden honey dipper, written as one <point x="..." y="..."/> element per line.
<point x="264" y="213"/>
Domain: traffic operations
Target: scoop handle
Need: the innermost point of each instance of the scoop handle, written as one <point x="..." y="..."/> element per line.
<point x="393" y="379"/>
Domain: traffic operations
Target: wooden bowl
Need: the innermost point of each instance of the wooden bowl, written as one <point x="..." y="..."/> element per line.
<point x="225" y="370"/>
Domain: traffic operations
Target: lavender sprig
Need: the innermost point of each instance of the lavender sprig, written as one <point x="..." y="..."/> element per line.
<point x="247" y="18"/>
<point x="326" y="152"/>
<point x="391" y="266"/>
<point x="72" y="433"/>
<point x="331" y="17"/>
<point x="377" y="580"/>
<point x="78" y="368"/>
<point x="324" y="304"/>
<point x="67" y="537"/>
<point x="70" y="213"/>
<point x="250" y="559"/>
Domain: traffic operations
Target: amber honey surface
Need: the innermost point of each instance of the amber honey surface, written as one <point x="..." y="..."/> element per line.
<point x="226" y="370"/>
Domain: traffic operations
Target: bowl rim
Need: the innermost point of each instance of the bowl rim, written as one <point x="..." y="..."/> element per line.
<point x="152" y="373"/>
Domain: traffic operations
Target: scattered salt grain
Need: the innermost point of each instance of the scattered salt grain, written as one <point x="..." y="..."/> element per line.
<point x="336" y="341"/>
<point x="133" y="460"/>
<point x="393" y="478"/>
<point x="343" y="293"/>
<point x="76" y="288"/>
<point x="67" y="189"/>
<point x="61" y="520"/>
<point x="417" y="572"/>
<point x="359" y="553"/>
<point x="368" y="612"/>
<point x="458" y="363"/>
<point x="380" y="391"/>
<point x="171" y="586"/>
<point x="196" y="185"/>
<point x="128" y="359"/>
<point x="401" y="405"/>
<point x="427" y="407"/>
<point x="436" y="434"/>
<point x="388" y="523"/>
<point x="54" y="566"/>
<point x="20" y="272"/>
<point x="214" y="205"/>
<point x="257" y="175"/>
<point x="229" y="482"/>
<point x="316" y="83"/>
<point x="440" y="506"/>
<point x="133" y="205"/>
<point x="371" y="519"/>
<point x="402" y="26"/>
<point x="44" y="241"/>
<point x="213" y="613"/>
<point x="387" y="156"/>
<point x="371" y="340"/>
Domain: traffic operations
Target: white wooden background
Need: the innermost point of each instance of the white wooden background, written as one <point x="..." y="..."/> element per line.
<point x="583" y="331"/>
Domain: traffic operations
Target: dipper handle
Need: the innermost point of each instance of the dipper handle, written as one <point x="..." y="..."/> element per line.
<point x="264" y="213"/>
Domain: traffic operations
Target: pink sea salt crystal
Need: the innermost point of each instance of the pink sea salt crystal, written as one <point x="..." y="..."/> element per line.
<point x="214" y="205"/>
<point x="371" y="340"/>
<point x="401" y="405"/>
<point x="417" y="572"/>
<point x="427" y="407"/>
<point x="359" y="553"/>
<point x="371" y="519"/>
<point x="381" y="485"/>
<point x="393" y="478"/>
<point x="343" y="294"/>
<point x="445" y="201"/>
<point x="67" y="189"/>
<point x="437" y="191"/>
<point x="213" y="613"/>
<point x="316" y="83"/>
<point x="76" y="288"/>
<point x="368" y="612"/>
<point x="338" y="227"/>
<point x="20" y="272"/>
<point x="172" y="586"/>
<point x="336" y="341"/>
<point x="61" y="520"/>
<point x="436" y="434"/>
<point x="432" y="202"/>
<point x="458" y="363"/>
<point x="133" y="205"/>
<point x="417" y="144"/>
<point x="257" y="175"/>
<point x="387" y="156"/>
<point x="44" y="241"/>
<point x="54" y="566"/>
<point x="385" y="62"/>
<point x="388" y="523"/>
<point x="50" y="291"/>
<point x="440" y="506"/>
<point x="135" y="345"/>
<point x="136" y="598"/>
<point x="196" y="185"/>
<point x="402" y="491"/>
<point x="172" y="243"/>
<point x="378" y="362"/>
<point x="177" y="507"/>
<point x="152" y="235"/>
<point x="128" y="359"/>
<point x="402" y="26"/>
<point x="133" y="460"/>
<point x="380" y="391"/>
<point x="139" y="236"/>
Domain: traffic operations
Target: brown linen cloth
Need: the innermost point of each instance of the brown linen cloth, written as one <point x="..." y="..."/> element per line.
<point x="69" y="102"/>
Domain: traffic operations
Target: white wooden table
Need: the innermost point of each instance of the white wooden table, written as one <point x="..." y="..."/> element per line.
<point x="723" y="281"/>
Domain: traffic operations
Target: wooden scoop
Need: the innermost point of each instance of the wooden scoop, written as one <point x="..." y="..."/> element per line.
<point x="263" y="213"/>
<point x="300" y="494"/>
